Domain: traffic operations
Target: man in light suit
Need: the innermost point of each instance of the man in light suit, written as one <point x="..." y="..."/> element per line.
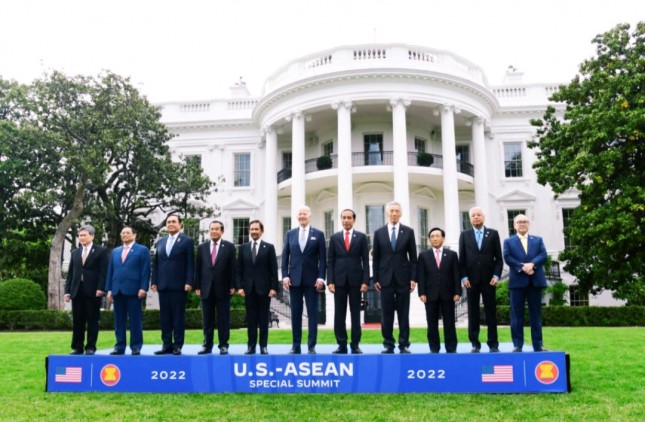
<point x="215" y="284"/>
<point x="439" y="289"/>
<point x="257" y="272"/>
<point x="480" y="267"/>
<point x="394" y="266"/>
<point x="173" y="274"/>
<point x="127" y="282"/>
<point x="85" y="286"/>
<point x="304" y="267"/>
<point x="348" y="278"/>
<point x="525" y="256"/>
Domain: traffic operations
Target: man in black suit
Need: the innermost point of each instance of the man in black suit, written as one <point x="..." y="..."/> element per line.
<point x="304" y="265"/>
<point x="173" y="275"/>
<point x="439" y="289"/>
<point x="215" y="284"/>
<point x="348" y="278"/>
<point x="394" y="265"/>
<point x="480" y="267"/>
<point x="257" y="272"/>
<point x="85" y="286"/>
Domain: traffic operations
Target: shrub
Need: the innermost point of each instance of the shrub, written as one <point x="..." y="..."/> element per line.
<point x="324" y="162"/>
<point x="424" y="159"/>
<point x="502" y="293"/>
<point x="20" y="294"/>
<point x="557" y="293"/>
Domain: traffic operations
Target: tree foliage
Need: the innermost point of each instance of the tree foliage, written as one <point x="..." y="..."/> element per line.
<point x="597" y="147"/>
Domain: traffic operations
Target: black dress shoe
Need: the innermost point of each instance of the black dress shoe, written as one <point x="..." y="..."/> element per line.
<point x="264" y="351"/>
<point x="163" y="352"/>
<point x="451" y="351"/>
<point x="340" y="351"/>
<point x="494" y="350"/>
<point x="117" y="352"/>
<point x="294" y="351"/>
<point x="136" y="352"/>
<point x="176" y="352"/>
<point x="250" y="351"/>
<point x="517" y="349"/>
<point x="387" y="351"/>
<point x="434" y="351"/>
<point x="356" y="351"/>
<point x="474" y="350"/>
<point x="205" y="351"/>
<point x="90" y="351"/>
<point x="223" y="350"/>
<point x="312" y="351"/>
<point x="76" y="352"/>
<point x="540" y="349"/>
<point x="404" y="350"/>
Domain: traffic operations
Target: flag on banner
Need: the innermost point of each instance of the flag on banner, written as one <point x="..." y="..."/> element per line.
<point x="497" y="373"/>
<point x="72" y="374"/>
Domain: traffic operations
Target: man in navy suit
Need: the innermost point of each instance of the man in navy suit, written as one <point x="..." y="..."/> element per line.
<point x="525" y="256"/>
<point x="304" y="267"/>
<point x="439" y="289"/>
<point x="257" y="272"/>
<point x="394" y="265"/>
<point x="215" y="284"/>
<point x="173" y="273"/>
<point x="85" y="286"/>
<point x="348" y="278"/>
<point x="127" y="282"/>
<point x="480" y="267"/>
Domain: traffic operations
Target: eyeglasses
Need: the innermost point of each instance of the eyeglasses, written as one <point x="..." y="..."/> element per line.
<point x="522" y="222"/>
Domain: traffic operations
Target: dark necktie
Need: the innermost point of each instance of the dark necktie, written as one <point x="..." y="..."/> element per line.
<point x="393" y="238"/>
<point x="254" y="251"/>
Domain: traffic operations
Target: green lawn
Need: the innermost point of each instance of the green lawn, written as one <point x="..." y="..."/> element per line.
<point x="607" y="375"/>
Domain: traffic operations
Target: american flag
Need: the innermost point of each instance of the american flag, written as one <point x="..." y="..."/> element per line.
<point x="497" y="373"/>
<point x="72" y="374"/>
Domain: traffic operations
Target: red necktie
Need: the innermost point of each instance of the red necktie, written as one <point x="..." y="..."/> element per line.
<point x="214" y="254"/>
<point x="347" y="241"/>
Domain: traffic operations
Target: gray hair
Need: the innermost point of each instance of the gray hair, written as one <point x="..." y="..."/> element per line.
<point x="391" y="204"/>
<point x="87" y="228"/>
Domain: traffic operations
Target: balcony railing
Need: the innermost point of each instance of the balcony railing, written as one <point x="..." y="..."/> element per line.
<point x="384" y="158"/>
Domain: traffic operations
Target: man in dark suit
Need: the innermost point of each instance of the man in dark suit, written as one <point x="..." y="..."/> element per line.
<point x="84" y="286"/>
<point x="348" y="278"/>
<point x="480" y="266"/>
<point x="215" y="284"/>
<point x="525" y="256"/>
<point x="303" y="274"/>
<point x="439" y="289"/>
<point x="257" y="272"/>
<point x="394" y="265"/>
<point x="127" y="282"/>
<point x="173" y="274"/>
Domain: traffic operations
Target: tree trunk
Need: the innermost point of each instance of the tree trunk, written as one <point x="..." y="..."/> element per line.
<point x="55" y="290"/>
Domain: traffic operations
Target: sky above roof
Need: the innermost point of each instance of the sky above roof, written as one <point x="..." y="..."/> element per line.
<point x="196" y="49"/>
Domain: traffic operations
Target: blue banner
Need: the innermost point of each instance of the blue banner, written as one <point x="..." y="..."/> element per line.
<point x="544" y="372"/>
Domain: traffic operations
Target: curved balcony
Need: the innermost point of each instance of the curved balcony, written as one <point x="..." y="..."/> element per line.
<point x="385" y="158"/>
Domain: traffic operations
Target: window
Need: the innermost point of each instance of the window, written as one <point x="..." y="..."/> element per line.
<point x="511" y="214"/>
<point x="419" y="145"/>
<point x="465" y="221"/>
<point x="242" y="170"/>
<point x="286" y="226"/>
<point x="513" y="160"/>
<point x="567" y="214"/>
<point x="193" y="159"/>
<point x="577" y="297"/>
<point x="422" y="216"/>
<point x="373" y="147"/>
<point x="463" y="153"/>
<point x="286" y="160"/>
<point x="240" y="231"/>
<point x="375" y="219"/>
<point x="329" y="224"/>
<point x="328" y="148"/>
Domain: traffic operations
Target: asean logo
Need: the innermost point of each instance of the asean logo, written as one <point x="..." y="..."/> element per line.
<point x="110" y="375"/>
<point x="546" y="372"/>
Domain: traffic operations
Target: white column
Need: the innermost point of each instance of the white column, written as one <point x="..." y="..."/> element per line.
<point x="298" y="164"/>
<point x="400" y="158"/>
<point x="270" y="185"/>
<point x="479" y="161"/>
<point x="345" y="183"/>
<point x="450" y="185"/>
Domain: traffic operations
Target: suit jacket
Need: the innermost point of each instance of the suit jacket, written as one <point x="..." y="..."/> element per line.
<point x="259" y="276"/>
<point x="348" y="268"/>
<point x="93" y="271"/>
<point x="514" y="256"/>
<point x="175" y="271"/>
<point x="217" y="279"/>
<point x="400" y="263"/>
<point x="130" y="276"/>
<point x="479" y="266"/>
<point x="304" y="267"/>
<point x="442" y="282"/>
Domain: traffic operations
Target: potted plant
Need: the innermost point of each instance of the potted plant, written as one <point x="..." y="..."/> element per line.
<point x="324" y="162"/>
<point x="425" y="159"/>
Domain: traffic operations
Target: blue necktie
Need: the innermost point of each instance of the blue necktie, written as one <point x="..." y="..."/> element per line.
<point x="479" y="238"/>
<point x="169" y="243"/>
<point x="393" y="238"/>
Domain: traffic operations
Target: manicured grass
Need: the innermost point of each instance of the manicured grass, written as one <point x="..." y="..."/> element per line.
<point x="607" y="375"/>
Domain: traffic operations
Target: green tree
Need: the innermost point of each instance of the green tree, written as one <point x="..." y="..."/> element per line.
<point x="597" y="147"/>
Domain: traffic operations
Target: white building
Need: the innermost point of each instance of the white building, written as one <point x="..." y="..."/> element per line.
<point x="373" y="109"/>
